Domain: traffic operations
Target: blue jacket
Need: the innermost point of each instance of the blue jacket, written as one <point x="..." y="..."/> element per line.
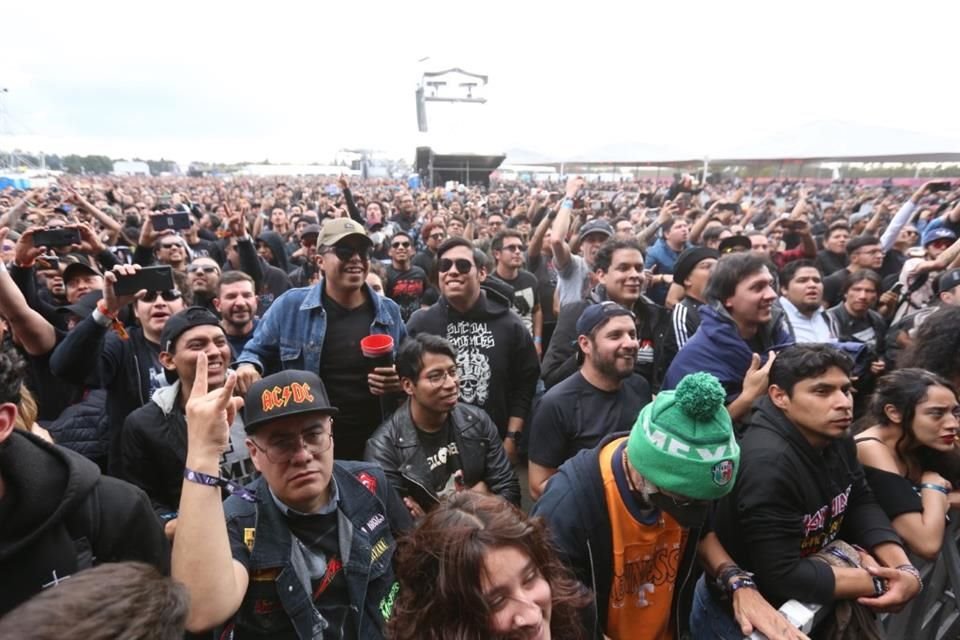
<point x="290" y="334"/>
<point x="370" y="516"/>
<point x="718" y="348"/>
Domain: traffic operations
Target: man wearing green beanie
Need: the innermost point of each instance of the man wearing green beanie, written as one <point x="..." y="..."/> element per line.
<point x="630" y="516"/>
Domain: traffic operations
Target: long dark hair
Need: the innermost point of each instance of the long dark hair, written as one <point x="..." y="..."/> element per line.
<point x="904" y="389"/>
<point x="440" y="568"/>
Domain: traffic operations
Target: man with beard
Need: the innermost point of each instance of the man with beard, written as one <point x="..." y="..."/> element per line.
<point x="236" y="302"/>
<point x="434" y="445"/>
<point x="737" y="325"/>
<point x="801" y="298"/>
<point x="203" y="275"/>
<point x="603" y="397"/>
<point x="319" y="329"/>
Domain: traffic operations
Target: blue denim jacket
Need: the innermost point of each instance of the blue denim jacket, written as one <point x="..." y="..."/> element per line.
<point x="290" y="334"/>
<point x="278" y="601"/>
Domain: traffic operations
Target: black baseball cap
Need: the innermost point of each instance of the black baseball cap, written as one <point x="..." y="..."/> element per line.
<point x="948" y="280"/>
<point x="288" y="393"/>
<point x="733" y="244"/>
<point x="597" y="313"/>
<point x="183" y="320"/>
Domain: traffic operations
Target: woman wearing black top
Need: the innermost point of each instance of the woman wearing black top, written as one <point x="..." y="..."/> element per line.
<point x="910" y="452"/>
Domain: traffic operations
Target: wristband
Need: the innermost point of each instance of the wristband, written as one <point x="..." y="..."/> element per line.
<point x="168" y="516"/>
<point x="215" y="481"/>
<point x="538" y="339"/>
<point x="934" y="487"/>
<point x="514" y="435"/>
<point x="879" y="586"/>
<point x="742" y="582"/>
<point x="912" y="570"/>
<point x="566" y="203"/>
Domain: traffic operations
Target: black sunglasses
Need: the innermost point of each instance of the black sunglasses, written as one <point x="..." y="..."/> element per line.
<point x="169" y="295"/>
<point x="345" y="253"/>
<point x="397" y="245"/>
<point x="462" y="264"/>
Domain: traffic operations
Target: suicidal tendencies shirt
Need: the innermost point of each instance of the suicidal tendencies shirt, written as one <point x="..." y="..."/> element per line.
<point x="443" y="459"/>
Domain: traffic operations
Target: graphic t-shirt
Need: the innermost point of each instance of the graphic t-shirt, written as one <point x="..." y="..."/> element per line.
<point x="524" y="296"/>
<point x="443" y="459"/>
<point x="406" y="288"/>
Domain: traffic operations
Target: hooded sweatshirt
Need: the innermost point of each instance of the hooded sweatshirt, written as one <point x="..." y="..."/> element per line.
<point x="791" y="500"/>
<point x="58" y="516"/>
<point x="496" y="358"/>
<point x="718" y="348"/>
<point x="273" y="240"/>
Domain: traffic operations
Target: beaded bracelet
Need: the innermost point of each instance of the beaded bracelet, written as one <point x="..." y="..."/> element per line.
<point x="912" y="570"/>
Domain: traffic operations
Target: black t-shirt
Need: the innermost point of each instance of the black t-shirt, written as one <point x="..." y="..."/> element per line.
<point x="576" y="415"/>
<point x="406" y="288"/>
<point x="896" y="494"/>
<point x="443" y="458"/>
<point x="316" y="537"/>
<point x="828" y="262"/>
<point x="524" y="296"/>
<point x="343" y="370"/>
<point x="546" y="274"/>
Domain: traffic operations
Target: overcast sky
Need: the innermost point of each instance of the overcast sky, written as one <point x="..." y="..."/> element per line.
<point x="295" y="81"/>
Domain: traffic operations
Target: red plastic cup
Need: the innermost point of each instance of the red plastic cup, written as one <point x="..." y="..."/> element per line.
<point x="378" y="350"/>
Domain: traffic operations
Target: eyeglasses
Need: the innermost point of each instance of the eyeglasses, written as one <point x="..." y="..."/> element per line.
<point x="515" y="247"/>
<point x="171" y="245"/>
<point x="345" y="253"/>
<point x="169" y="295"/>
<point x="194" y="268"/>
<point x="397" y="245"/>
<point x="463" y="265"/>
<point x="315" y="440"/>
<point x="437" y="236"/>
<point x="437" y="378"/>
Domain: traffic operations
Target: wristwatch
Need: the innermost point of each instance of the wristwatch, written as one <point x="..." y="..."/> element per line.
<point x="515" y="435"/>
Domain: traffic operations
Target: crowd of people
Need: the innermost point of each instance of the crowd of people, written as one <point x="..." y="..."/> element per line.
<point x="317" y="408"/>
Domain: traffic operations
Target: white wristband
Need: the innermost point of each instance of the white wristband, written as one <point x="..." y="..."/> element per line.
<point x="101" y="319"/>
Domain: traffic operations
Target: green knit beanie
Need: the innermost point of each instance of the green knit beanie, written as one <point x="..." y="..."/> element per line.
<point x="683" y="441"/>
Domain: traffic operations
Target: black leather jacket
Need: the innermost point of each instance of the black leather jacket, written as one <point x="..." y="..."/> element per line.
<point x="396" y="448"/>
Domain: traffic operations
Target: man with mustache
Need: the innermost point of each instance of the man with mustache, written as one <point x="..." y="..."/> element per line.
<point x="435" y="445"/>
<point x="800" y="487"/>
<point x="236" y="302"/>
<point x="603" y="397"/>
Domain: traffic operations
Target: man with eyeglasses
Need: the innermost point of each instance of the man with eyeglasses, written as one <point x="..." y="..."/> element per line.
<point x="319" y="329"/>
<point x="863" y="252"/>
<point x="153" y="440"/>
<point x="405" y="282"/>
<point x="434" y="445"/>
<point x="508" y="253"/>
<point x="496" y="359"/>
<point x="203" y="276"/>
<point x="304" y="551"/>
<point x="630" y="515"/>
<point x="127" y="359"/>
<point x="433" y="234"/>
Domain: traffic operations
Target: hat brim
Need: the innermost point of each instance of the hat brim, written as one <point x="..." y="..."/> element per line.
<point x="251" y="427"/>
<point x="332" y="240"/>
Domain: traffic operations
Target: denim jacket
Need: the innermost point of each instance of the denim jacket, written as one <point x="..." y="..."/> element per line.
<point x="369" y="517"/>
<point x="290" y="334"/>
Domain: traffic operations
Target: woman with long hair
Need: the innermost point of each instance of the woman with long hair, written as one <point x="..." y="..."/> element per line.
<point x="910" y="455"/>
<point x="477" y="568"/>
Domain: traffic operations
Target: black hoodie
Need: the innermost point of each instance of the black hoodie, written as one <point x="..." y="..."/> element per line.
<point x="495" y="355"/>
<point x="59" y="515"/>
<point x="789" y="501"/>
<point x="273" y="240"/>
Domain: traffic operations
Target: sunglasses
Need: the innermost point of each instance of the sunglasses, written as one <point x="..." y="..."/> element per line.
<point x="205" y="269"/>
<point x="437" y="236"/>
<point x="169" y="295"/>
<point x="397" y="245"/>
<point x="346" y="253"/>
<point x="171" y="245"/>
<point x="463" y="265"/>
<point x="515" y="247"/>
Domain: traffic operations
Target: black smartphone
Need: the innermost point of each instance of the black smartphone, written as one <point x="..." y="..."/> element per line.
<point x="940" y="186"/>
<point x="420" y="494"/>
<point x="172" y="220"/>
<point x="727" y="206"/>
<point x="49" y="262"/>
<point x="897" y="288"/>
<point x="149" y="278"/>
<point x="62" y="237"/>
